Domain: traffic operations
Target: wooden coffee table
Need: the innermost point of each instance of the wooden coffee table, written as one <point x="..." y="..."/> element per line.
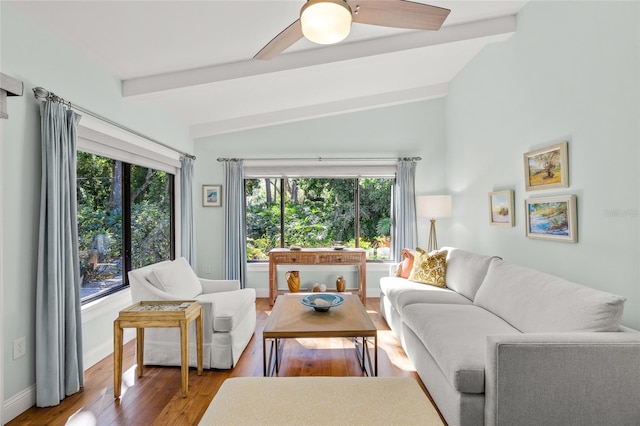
<point x="291" y="319"/>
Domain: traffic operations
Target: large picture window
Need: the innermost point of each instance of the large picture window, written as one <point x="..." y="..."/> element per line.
<point x="125" y="221"/>
<point x="314" y="212"/>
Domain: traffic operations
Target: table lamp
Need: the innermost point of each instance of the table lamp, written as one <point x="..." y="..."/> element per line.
<point x="433" y="207"/>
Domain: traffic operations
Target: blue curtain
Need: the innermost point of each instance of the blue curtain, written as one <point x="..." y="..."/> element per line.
<point x="59" y="370"/>
<point x="187" y="230"/>
<point x="235" y="249"/>
<point x="404" y="208"/>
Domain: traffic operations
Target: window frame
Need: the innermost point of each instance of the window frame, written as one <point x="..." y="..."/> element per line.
<point x="316" y="175"/>
<point x="98" y="143"/>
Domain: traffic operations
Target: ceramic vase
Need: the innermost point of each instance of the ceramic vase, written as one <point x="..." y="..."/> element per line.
<point x="293" y="281"/>
<point x="341" y="284"/>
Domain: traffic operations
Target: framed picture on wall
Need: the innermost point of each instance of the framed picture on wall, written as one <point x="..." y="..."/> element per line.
<point x="547" y="168"/>
<point x="501" y="208"/>
<point x="552" y="218"/>
<point x="211" y="195"/>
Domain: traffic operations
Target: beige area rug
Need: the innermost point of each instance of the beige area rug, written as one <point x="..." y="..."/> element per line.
<point x="320" y="401"/>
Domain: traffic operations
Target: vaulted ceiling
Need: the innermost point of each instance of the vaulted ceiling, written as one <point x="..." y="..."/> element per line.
<point x="194" y="58"/>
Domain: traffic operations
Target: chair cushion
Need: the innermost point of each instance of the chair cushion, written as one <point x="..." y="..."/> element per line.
<point x="534" y="302"/>
<point x="229" y="307"/>
<point x="456" y="338"/>
<point x="176" y="278"/>
<point x="429" y="268"/>
<point x="466" y="271"/>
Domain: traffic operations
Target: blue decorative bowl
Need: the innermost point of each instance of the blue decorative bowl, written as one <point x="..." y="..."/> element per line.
<point x="322" y="302"/>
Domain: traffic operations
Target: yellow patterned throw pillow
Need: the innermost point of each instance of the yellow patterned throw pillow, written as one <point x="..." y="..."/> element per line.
<point x="429" y="268"/>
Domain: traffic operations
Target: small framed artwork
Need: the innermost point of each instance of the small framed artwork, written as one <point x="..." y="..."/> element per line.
<point x="501" y="208"/>
<point x="211" y="195"/>
<point x="552" y="218"/>
<point x="547" y="168"/>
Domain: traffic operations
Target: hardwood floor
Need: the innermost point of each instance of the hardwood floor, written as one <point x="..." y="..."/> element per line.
<point x="154" y="398"/>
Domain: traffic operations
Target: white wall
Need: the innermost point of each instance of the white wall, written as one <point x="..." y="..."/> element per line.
<point x="40" y="59"/>
<point x="415" y="129"/>
<point x="571" y="72"/>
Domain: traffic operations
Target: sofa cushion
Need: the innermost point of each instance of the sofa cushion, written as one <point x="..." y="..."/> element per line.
<point x="401" y="292"/>
<point x="533" y="301"/>
<point x="456" y="336"/>
<point x="429" y="268"/>
<point x="466" y="271"/>
<point x="176" y="278"/>
<point x="229" y="307"/>
<point x="405" y="267"/>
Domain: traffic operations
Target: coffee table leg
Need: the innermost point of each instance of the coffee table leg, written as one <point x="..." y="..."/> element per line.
<point x="370" y="369"/>
<point x="375" y="353"/>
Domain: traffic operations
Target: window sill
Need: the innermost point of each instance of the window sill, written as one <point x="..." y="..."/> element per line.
<point x="116" y="301"/>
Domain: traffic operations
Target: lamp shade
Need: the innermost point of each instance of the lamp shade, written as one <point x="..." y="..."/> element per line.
<point x="433" y="206"/>
<point x="325" y="21"/>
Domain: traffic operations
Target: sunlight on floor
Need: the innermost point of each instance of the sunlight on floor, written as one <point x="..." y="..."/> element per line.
<point x="86" y="418"/>
<point x="389" y="343"/>
<point x="82" y="418"/>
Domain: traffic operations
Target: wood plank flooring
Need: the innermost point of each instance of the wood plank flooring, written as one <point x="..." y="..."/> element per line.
<point x="154" y="398"/>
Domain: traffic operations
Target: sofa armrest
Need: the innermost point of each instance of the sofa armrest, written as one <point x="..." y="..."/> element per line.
<point x="563" y="378"/>
<point x="216" y="286"/>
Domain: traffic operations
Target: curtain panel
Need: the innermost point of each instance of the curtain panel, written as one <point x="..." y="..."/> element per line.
<point x="187" y="225"/>
<point x="235" y="249"/>
<point x="59" y="369"/>
<point x="403" y="209"/>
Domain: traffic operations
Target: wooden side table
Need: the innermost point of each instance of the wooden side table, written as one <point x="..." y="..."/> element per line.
<point x="322" y="257"/>
<point x="157" y="314"/>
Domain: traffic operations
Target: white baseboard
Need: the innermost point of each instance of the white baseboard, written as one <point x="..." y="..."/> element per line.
<point x="19" y="403"/>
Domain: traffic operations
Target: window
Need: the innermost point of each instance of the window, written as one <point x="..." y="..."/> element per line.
<point x="125" y="221"/>
<point x="314" y="212"/>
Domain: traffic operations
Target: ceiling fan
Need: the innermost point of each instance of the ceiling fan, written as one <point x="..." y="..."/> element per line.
<point x="329" y="21"/>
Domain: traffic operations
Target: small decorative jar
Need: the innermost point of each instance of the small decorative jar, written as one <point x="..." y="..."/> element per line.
<point x="341" y="284"/>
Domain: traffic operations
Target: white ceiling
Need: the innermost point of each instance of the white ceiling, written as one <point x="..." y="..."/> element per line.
<point x="194" y="58"/>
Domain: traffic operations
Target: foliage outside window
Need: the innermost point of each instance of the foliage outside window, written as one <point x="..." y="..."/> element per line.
<point x="314" y="212"/>
<point x="125" y="221"/>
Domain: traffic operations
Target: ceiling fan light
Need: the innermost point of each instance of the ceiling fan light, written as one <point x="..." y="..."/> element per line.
<point x="325" y="21"/>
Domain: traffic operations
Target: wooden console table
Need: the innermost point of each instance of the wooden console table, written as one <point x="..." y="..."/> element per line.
<point x="317" y="256"/>
<point x="177" y="313"/>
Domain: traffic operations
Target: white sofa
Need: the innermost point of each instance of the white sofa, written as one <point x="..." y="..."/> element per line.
<point x="229" y="314"/>
<point x="508" y="345"/>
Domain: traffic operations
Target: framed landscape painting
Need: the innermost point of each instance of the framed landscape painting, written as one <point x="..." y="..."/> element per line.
<point x="211" y="195"/>
<point x="547" y="168"/>
<point x="501" y="208"/>
<point x="552" y="218"/>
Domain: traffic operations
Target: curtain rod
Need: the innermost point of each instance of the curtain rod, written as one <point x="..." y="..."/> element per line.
<point x="42" y="93"/>
<point x="320" y="159"/>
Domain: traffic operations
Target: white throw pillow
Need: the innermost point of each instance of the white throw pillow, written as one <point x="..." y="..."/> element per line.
<point x="178" y="279"/>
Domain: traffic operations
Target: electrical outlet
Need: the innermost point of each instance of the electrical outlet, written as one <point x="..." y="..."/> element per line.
<point x="19" y="347"/>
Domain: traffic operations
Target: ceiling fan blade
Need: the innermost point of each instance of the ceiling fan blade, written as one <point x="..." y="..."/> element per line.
<point x="398" y="14"/>
<point x="282" y="41"/>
